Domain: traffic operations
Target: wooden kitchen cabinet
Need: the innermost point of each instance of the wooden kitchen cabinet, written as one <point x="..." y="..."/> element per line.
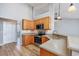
<point x="31" y="25"/>
<point x="27" y="25"/>
<point x="44" y="52"/>
<point x="27" y="39"/>
<point x="45" y="21"/>
<point x="44" y="39"/>
<point x="38" y="21"/>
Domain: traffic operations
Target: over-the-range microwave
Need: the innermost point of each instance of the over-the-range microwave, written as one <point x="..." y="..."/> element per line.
<point x="40" y="26"/>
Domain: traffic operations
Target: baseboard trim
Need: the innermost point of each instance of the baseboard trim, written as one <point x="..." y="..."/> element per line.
<point x="5" y="43"/>
<point x="1" y="44"/>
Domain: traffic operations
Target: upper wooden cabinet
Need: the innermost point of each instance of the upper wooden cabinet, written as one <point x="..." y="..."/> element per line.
<point x="31" y="25"/>
<point x="27" y="24"/>
<point x="45" y="21"/>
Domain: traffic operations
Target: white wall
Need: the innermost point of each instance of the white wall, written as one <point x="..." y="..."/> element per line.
<point x="67" y="27"/>
<point x="41" y="15"/>
<point x="70" y="21"/>
<point x="16" y="11"/>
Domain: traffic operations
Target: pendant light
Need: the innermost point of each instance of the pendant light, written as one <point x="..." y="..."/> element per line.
<point x="71" y="8"/>
<point x="59" y="17"/>
<point x="55" y="16"/>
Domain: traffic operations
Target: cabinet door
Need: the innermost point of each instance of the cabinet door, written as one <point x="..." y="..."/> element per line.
<point x="44" y="39"/>
<point x="44" y="52"/>
<point x="28" y="39"/>
<point x="32" y="39"/>
<point x="45" y="21"/>
<point x="25" y="40"/>
<point x="32" y="25"/>
<point x="27" y="25"/>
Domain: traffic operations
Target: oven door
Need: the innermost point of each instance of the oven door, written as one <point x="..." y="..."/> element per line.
<point x="37" y="39"/>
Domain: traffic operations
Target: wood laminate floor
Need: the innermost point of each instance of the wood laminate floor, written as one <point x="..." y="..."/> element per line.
<point x="12" y="49"/>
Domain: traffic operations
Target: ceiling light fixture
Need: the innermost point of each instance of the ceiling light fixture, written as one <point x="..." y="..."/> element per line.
<point x="71" y="8"/>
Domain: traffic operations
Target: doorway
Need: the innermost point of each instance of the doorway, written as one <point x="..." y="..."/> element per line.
<point x="8" y="31"/>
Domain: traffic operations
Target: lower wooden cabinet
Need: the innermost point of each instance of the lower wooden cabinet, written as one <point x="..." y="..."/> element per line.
<point x="44" y="39"/>
<point x="27" y="39"/>
<point x="44" y="52"/>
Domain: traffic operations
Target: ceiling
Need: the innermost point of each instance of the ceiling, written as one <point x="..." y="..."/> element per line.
<point x="36" y="5"/>
<point x="40" y="8"/>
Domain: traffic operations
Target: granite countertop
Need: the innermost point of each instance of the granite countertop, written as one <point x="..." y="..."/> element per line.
<point x="55" y="44"/>
<point x="73" y="43"/>
<point x="56" y="36"/>
<point x="28" y="34"/>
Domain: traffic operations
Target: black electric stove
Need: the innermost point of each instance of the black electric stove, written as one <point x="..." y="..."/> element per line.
<point x="38" y="37"/>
